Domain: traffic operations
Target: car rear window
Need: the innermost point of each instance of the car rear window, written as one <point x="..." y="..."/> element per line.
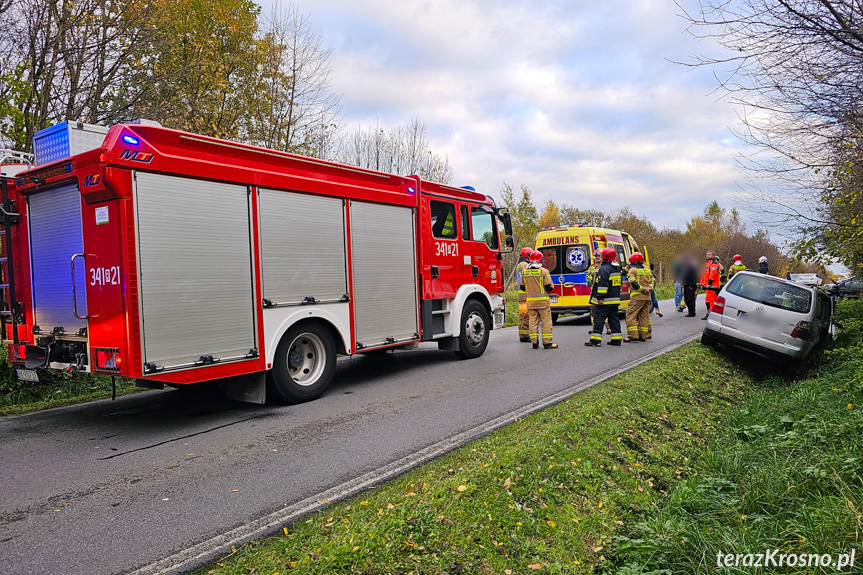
<point x="774" y="293"/>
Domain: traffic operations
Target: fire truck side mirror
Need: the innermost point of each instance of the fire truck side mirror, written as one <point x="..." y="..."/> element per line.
<point x="510" y="242"/>
<point x="507" y="224"/>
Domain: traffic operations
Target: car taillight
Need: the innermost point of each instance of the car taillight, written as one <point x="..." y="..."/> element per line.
<point x="107" y="360"/>
<point x="803" y="330"/>
<point x="718" y="305"/>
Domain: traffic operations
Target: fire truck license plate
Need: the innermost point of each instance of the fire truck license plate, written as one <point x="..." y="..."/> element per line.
<point x="553" y="300"/>
<point x="27" y="375"/>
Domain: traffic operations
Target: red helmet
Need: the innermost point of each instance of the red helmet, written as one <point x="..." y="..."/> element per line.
<point x="609" y="254"/>
<point x="737" y="257"/>
<point x="636" y="257"/>
<point x="536" y="256"/>
<point x="525" y="252"/>
<point x="598" y="253"/>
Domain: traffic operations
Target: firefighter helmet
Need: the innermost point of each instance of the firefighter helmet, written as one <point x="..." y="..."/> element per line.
<point x="525" y="252"/>
<point x="609" y="254"/>
<point x="536" y="256"/>
<point x="737" y="257"/>
<point x="762" y="259"/>
<point x="636" y="257"/>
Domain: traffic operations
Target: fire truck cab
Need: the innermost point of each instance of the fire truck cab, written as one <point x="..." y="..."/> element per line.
<point x="175" y="258"/>
<point x="568" y="252"/>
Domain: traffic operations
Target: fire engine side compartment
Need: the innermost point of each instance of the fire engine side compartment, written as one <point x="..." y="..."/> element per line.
<point x="196" y="281"/>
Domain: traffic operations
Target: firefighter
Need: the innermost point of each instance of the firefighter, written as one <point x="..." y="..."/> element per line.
<point x="605" y="295"/>
<point x="536" y="283"/>
<point x="762" y="265"/>
<point x="711" y="280"/>
<point x="737" y="266"/>
<point x="641" y="284"/>
<point x="591" y="275"/>
<point x="523" y="261"/>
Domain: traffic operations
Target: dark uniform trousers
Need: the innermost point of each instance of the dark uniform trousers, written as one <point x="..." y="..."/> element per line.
<point x="610" y="314"/>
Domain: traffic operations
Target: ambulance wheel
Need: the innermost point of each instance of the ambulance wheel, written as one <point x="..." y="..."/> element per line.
<point x="554" y="317"/>
<point x="304" y="365"/>
<point x="475" y="328"/>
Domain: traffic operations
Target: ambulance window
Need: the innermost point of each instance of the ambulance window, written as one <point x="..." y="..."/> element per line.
<point x="577" y="258"/>
<point x="443" y="220"/>
<point x="465" y="224"/>
<point x="483" y="226"/>
<point x="621" y="255"/>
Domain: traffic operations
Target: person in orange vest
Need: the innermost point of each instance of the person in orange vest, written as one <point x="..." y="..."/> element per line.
<point x="536" y="283"/>
<point x="523" y="261"/>
<point x="711" y="281"/>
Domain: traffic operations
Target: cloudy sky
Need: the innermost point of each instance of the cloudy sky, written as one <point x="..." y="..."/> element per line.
<point x="575" y="99"/>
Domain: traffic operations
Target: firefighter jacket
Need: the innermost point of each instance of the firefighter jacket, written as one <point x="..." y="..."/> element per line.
<point x="536" y="283"/>
<point x="606" y="289"/>
<point x="592" y="273"/>
<point x="519" y="270"/>
<point x="712" y="278"/>
<point x="643" y="278"/>
<point x="734" y="269"/>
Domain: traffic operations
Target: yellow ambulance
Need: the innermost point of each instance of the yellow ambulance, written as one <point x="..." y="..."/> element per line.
<point x="568" y="253"/>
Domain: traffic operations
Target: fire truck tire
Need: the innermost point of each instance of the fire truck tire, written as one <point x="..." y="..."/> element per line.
<point x="475" y="329"/>
<point x="304" y="364"/>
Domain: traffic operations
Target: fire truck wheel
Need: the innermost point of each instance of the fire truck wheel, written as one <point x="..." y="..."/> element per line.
<point x="475" y="327"/>
<point x="305" y="363"/>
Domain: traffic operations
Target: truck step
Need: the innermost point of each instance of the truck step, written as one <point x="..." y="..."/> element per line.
<point x="440" y="312"/>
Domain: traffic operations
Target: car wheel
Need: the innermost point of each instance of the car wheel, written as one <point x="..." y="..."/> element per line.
<point x="708" y="340"/>
<point x="305" y="363"/>
<point x="475" y="329"/>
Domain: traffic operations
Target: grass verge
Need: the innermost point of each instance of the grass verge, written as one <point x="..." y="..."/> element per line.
<point x="55" y="390"/>
<point x="786" y="473"/>
<point x="546" y="494"/>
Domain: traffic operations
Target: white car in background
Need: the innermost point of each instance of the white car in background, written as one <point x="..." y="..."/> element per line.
<point x="770" y="316"/>
<point x="806" y="279"/>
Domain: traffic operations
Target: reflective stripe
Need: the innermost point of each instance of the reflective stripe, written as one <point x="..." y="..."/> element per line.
<point x="616" y="336"/>
<point x="596" y="336"/>
<point x="537" y="298"/>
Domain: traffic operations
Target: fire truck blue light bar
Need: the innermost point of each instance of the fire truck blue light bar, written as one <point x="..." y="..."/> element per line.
<point x="130" y="140"/>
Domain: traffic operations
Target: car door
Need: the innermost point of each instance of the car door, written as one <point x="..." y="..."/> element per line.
<point x="484" y="267"/>
<point x="447" y="257"/>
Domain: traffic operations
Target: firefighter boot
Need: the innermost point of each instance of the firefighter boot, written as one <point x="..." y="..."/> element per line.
<point x="593" y="342"/>
<point x="549" y="345"/>
<point x="536" y="345"/>
<point x="615" y="342"/>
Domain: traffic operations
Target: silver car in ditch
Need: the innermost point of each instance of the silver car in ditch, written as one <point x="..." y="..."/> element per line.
<point x="770" y="316"/>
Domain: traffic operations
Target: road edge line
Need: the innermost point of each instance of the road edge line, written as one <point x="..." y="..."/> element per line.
<point x="201" y="553"/>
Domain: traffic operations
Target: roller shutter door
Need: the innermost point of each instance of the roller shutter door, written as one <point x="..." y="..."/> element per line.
<point x="195" y="270"/>
<point x="383" y="251"/>
<point x="55" y="236"/>
<point x="302" y="247"/>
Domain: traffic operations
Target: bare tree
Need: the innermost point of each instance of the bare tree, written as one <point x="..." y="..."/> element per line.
<point x="403" y="150"/>
<point x="294" y="108"/>
<point x="795" y="68"/>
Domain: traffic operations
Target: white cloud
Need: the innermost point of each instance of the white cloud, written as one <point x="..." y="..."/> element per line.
<point x="578" y="101"/>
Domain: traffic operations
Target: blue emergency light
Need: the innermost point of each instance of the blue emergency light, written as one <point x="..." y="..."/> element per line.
<point x="130" y="140"/>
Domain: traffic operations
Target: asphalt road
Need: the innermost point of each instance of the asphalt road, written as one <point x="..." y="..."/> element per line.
<point x="110" y="487"/>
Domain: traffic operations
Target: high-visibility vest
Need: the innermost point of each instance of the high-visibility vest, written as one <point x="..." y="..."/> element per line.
<point x="734" y="269"/>
<point x="534" y="281"/>
<point x="644" y="277"/>
<point x="448" y="230"/>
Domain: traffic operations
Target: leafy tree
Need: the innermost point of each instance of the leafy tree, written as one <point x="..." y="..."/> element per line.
<point x="550" y="215"/>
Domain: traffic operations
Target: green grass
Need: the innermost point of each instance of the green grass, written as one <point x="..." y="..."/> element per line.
<point x="786" y="473"/>
<point x="56" y="389"/>
<point x="546" y="494"/>
<point x="664" y="291"/>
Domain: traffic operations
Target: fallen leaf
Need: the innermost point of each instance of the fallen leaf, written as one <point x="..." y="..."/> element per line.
<point x="535" y="566"/>
<point x="355" y="547"/>
<point x="461" y="488"/>
<point x="507" y="482"/>
<point x="597" y="549"/>
<point x="600" y="505"/>
<point x="551" y="523"/>
<point x="640" y="488"/>
<point x="507" y="571"/>
<point x="285" y="529"/>
<point x="234" y="490"/>
<point x="390" y="506"/>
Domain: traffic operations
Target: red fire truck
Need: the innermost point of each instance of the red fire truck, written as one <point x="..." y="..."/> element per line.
<point x="175" y="258"/>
